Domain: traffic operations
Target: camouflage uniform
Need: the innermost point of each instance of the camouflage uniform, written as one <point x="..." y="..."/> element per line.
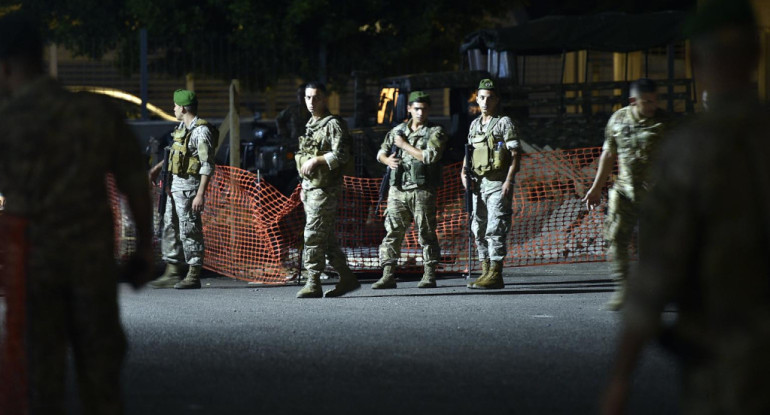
<point x="491" y="211"/>
<point x="411" y="197"/>
<point x="182" y="228"/>
<point x="327" y="137"/>
<point x="56" y="154"/>
<point x="635" y="141"/>
<point x="705" y="235"/>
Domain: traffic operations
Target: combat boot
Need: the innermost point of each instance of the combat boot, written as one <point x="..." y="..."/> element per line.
<point x="494" y="280"/>
<point x="388" y="279"/>
<point x="484" y="273"/>
<point x="428" y="277"/>
<point x="312" y="288"/>
<point x="618" y="297"/>
<point x="192" y="280"/>
<point x="170" y="277"/>
<point x="348" y="283"/>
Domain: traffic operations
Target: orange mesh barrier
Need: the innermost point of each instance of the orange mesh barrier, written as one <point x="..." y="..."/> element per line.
<point x="253" y="232"/>
<point x="13" y="357"/>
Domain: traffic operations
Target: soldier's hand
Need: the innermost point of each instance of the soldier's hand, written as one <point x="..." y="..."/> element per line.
<point x="198" y="203"/>
<point x="400" y="141"/>
<point x="392" y="161"/>
<point x="508" y="188"/>
<point x="592" y="199"/>
<point x="463" y="179"/>
<point x="308" y="167"/>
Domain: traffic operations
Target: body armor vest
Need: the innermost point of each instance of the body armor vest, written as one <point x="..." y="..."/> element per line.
<point x="181" y="160"/>
<point x="490" y="158"/>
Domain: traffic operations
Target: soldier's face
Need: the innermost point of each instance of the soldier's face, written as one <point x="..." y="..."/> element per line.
<point x="178" y="111"/>
<point x="419" y="111"/>
<point x="646" y="103"/>
<point x="315" y="101"/>
<point x="487" y="101"/>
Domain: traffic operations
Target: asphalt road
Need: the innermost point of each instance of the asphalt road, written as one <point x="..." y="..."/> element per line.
<point x="543" y="345"/>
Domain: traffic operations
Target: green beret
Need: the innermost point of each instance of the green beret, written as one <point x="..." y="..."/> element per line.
<point x="419" y="96"/>
<point x="184" y="97"/>
<point x="487" y="84"/>
<point x="713" y="15"/>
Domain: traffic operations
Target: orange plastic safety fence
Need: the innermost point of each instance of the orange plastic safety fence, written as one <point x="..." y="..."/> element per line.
<point x="253" y="232"/>
<point x="13" y="357"/>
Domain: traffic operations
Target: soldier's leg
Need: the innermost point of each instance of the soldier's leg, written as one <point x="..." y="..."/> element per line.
<point x="424" y="209"/>
<point x="47" y="337"/>
<point x="191" y="235"/>
<point x="337" y="258"/>
<point x="98" y="342"/>
<point x="499" y="213"/>
<point x="397" y="220"/>
<point x="619" y="229"/>
<point x="171" y="248"/>
<point x="320" y="208"/>
<point x="479" y="225"/>
<point x="479" y="229"/>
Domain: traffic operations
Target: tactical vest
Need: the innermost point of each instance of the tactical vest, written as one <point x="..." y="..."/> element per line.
<point x="181" y="160"/>
<point x="415" y="171"/>
<point x="490" y="157"/>
<point x="313" y="144"/>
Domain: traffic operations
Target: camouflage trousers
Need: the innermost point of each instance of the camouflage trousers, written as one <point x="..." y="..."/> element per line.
<point x="72" y="302"/>
<point x="182" y="230"/>
<point x="620" y="223"/>
<point x="405" y="206"/>
<point x="320" y="239"/>
<point x="491" y="220"/>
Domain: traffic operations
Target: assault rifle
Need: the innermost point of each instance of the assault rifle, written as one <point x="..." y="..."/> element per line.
<point x="163" y="181"/>
<point x="469" y="203"/>
<point x="385" y="183"/>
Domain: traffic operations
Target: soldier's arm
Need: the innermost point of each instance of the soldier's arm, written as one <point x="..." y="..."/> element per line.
<point x="202" y="137"/>
<point x="511" y="138"/>
<point x="606" y="164"/>
<point x="387" y="143"/>
<point x="433" y="152"/>
<point x="341" y="146"/>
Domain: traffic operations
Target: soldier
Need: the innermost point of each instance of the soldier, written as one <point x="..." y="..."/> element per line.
<point x="57" y="151"/>
<point x="705" y="234"/>
<point x="191" y="164"/>
<point x="323" y="158"/>
<point x="496" y="154"/>
<point x="632" y="136"/>
<point x="415" y="176"/>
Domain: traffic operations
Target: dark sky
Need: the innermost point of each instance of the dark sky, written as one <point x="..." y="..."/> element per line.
<point x="540" y="8"/>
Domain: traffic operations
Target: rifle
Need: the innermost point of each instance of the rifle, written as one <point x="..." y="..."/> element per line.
<point x="385" y="183"/>
<point x="469" y="203"/>
<point x="163" y="180"/>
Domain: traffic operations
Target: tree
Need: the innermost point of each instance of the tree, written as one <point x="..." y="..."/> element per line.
<point x="261" y="41"/>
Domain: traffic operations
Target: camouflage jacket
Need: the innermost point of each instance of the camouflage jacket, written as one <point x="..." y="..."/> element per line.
<point x="634" y="141"/>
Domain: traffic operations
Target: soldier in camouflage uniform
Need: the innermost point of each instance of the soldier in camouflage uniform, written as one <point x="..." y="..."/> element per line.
<point x="632" y="136"/>
<point x="191" y="165"/>
<point x="705" y="234"/>
<point x="415" y="176"/>
<point x="57" y="149"/>
<point x="323" y="158"/>
<point x="495" y="159"/>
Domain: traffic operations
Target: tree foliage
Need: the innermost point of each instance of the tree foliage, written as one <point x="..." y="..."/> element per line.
<point x="261" y="41"/>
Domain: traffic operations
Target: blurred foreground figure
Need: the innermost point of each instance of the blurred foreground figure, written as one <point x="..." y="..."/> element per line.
<point x="57" y="148"/>
<point x="705" y="235"/>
